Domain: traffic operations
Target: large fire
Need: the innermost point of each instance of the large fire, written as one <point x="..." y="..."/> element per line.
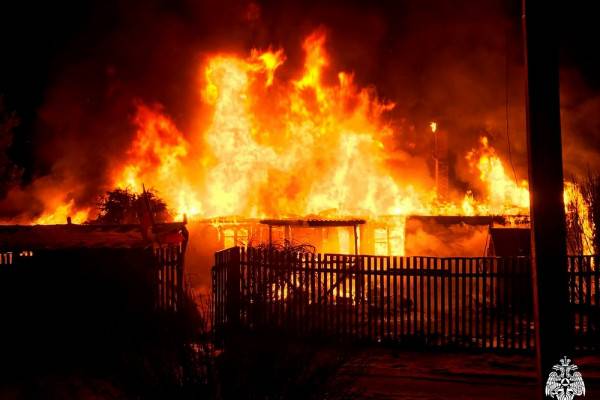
<point x="276" y="148"/>
<point x="293" y="148"/>
<point x="298" y="147"/>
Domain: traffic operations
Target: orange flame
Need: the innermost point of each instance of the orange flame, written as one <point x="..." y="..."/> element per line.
<point x="156" y="158"/>
<point x="294" y="148"/>
<point x="59" y="215"/>
<point x="504" y="195"/>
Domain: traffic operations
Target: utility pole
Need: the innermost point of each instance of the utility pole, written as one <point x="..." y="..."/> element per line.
<point x="553" y="322"/>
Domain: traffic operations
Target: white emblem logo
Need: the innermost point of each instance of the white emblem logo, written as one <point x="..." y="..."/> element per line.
<point x="564" y="381"/>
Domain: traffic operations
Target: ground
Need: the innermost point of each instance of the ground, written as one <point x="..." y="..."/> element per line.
<point x="379" y="373"/>
<point x="307" y="371"/>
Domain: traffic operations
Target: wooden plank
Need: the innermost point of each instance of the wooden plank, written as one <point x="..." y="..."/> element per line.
<point x="403" y="282"/>
<point x="530" y="322"/>
<point x="256" y="256"/>
<point x="506" y="301"/>
<point x="321" y="283"/>
<point x="596" y="296"/>
<point x="594" y="332"/>
<point x="457" y="302"/>
<point x="494" y="302"/>
<point x="421" y="296"/>
<point x="381" y="262"/>
<point x="315" y="294"/>
<point x="289" y="301"/>
<point x="464" y="300"/>
<point x="436" y="298"/>
<point x="588" y="292"/>
<point x="165" y="283"/>
<point x="525" y="304"/>
<point x="282" y="268"/>
<point x="408" y="302"/>
<point x="415" y="294"/>
<point x="171" y="276"/>
<point x="270" y="262"/>
<point x="354" y="276"/>
<point x="580" y="299"/>
<point x="325" y="292"/>
<point x="443" y="282"/>
<point x="174" y="261"/>
<point x="470" y="301"/>
<point x="395" y="283"/>
<point x="518" y="305"/>
<point x="484" y="306"/>
<point x="345" y="300"/>
<point x="388" y="295"/>
<point x="516" y="309"/>
<point x="331" y="308"/>
<point x="369" y="297"/>
<point x="428" y="295"/>
<point x="478" y="299"/>
<point x="451" y="304"/>
<point x="266" y="260"/>
<point x="336" y="296"/>
<point x="180" y="276"/>
<point x="298" y="272"/>
<point x="363" y="297"/>
<point x="375" y="298"/>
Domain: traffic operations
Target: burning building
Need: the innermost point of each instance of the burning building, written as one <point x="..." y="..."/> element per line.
<point x="287" y="133"/>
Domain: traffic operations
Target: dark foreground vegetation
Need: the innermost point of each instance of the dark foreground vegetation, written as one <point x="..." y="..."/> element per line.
<point x="167" y="357"/>
<point x="267" y="365"/>
<point x="79" y="324"/>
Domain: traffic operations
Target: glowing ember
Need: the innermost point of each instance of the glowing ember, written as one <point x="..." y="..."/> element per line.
<point x="433" y="126"/>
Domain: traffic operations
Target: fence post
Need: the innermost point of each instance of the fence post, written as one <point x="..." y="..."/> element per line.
<point x="233" y="289"/>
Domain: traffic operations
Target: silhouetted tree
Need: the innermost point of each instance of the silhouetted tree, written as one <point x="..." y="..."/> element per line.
<point x="10" y="173"/>
<point x="579" y="237"/>
<point x="120" y="206"/>
<point x="590" y="188"/>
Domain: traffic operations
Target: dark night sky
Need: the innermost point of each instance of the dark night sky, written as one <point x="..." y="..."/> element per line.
<point x="150" y="49"/>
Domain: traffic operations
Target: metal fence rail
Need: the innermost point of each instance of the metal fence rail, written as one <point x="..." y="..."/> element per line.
<point x="476" y="303"/>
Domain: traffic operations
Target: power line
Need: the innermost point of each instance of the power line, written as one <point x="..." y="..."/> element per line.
<point x="506" y="76"/>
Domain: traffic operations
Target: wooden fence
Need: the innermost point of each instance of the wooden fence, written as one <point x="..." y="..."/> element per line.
<point x="170" y="283"/>
<point x="477" y="303"/>
<point x="165" y="263"/>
